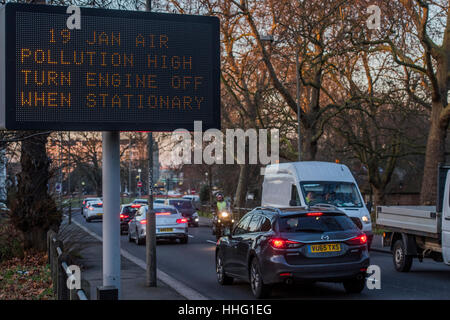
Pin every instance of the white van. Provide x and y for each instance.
(315, 182)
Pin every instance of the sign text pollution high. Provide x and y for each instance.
(122, 70)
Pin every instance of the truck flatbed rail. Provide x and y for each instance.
(419, 220)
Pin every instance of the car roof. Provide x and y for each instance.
(286, 211)
(178, 199)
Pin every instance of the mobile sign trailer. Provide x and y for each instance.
(122, 71)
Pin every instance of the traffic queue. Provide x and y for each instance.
(312, 226)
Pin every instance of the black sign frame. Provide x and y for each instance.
(8, 48)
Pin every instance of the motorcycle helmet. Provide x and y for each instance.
(219, 196)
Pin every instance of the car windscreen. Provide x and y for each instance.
(129, 210)
(181, 204)
(321, 223)
(339, 194)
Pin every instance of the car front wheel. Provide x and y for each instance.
(259, 288)
(222, 278)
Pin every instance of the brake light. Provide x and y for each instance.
(135, 205)
(314, 214)
(182, 220)
(359, 240)
(163, 213)
(124, 216)
(143, 221)
(90, 208)
(278, 243)
(100, 204)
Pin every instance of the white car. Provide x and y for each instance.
(170, 224)
(94, 210)
(84, 204)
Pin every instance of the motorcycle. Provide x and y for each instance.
(221, 222)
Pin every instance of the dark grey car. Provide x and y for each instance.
(269, 246)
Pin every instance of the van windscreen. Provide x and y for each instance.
(339, 194)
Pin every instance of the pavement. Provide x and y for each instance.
(132, 275)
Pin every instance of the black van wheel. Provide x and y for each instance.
(402, 261)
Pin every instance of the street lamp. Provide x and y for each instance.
(269, 39)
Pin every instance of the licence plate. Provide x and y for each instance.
(331, 247)
(166, 230)
(99, 214)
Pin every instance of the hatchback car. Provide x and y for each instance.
(94, 211)
(84, 203)
(186, 208)
(269, 246)
(170, 225)
(127, 212)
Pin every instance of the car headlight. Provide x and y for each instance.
(365, 219)
(224, 214)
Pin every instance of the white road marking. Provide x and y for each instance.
(190, 236)
(179, 287)
(210, 241)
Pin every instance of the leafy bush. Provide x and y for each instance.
(11, 242)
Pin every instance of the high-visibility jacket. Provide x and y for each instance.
(221, 206)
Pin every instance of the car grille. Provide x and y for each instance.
(357, 221)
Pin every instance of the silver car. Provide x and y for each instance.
(94, 210)
(170, 224)
(84, 204)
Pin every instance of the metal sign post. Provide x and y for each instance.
(111, 208)
(150, 240)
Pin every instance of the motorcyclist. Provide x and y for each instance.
(221, 204)
(219, 207)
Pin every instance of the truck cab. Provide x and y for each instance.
(308, 183)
